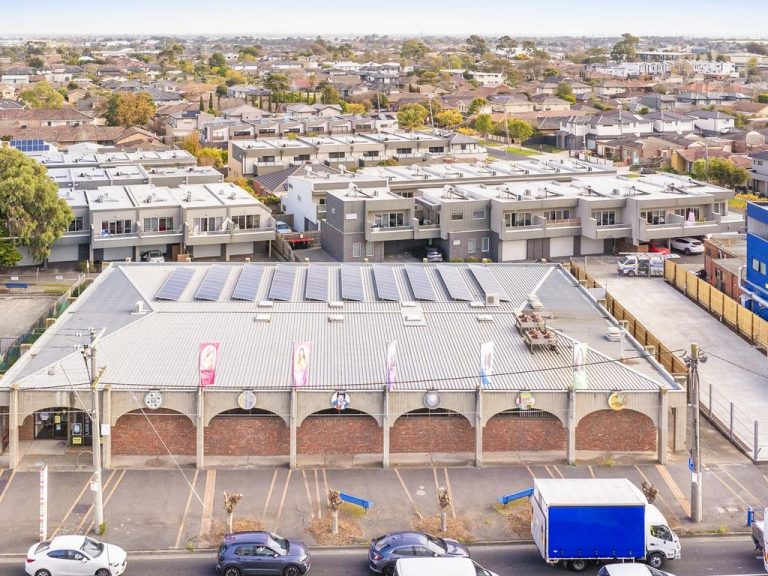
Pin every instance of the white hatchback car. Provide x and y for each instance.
(75, 556)
(630, 569)
(687, 245)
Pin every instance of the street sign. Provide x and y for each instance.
(690, 464)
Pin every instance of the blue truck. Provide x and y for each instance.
(578, 521)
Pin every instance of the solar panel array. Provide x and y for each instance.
(455, 284)
(282, 283)
(213, 283)
(30, 145)
(386, 285)
(174, 286)
(488, 282)
(247, 286)
(351, 283)
(422, 289)
(317, 283)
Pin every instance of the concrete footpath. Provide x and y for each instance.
(167, 509)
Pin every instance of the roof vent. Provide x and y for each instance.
(139, 308)
(262, 318)
(335, 304)
(266, 304)
(336, 318)
(484, 318)
(476, 304)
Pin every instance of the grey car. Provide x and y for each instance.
(386, 550)
(245, 553)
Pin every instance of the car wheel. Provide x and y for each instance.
(655, 560)
(388, 570)
(103, 572)
(578, 565)
(631, 273)
(42, 573)
(687, 251)
(231, 571)
(291, 571)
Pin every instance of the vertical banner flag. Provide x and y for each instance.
(486, 363)
(579, 366)
(391, 363)
(208, 358)
(300, 363)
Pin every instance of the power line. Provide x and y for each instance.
(741, 366)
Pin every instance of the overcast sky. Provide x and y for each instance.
(735, 18)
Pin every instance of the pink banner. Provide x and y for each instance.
(300, 363)
(208, 358)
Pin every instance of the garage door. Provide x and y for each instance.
(514, 250)
(210, 251)
(560, 247)
(241, 248)
(63, 253)
(118, 253)
(589, 246)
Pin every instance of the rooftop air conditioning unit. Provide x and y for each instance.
(492, 300)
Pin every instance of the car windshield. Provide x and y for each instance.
(279, 544)
(439, 542)
(92, 548)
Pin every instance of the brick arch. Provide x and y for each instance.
(620, 431)
(247, 433)
(524, 430)
(432, 431)
(346, 432)
(138, 433)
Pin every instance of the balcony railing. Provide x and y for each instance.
(565, 222)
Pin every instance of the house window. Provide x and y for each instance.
(369, 249)
(389, 220)
(246, 221)
(403, 151)
(478, 214)
(486, 244)
(371, 154)
(356, 249)
(755, 264)
(685, 211)
(336, 155)
(321, 201)
(604, 217)
(301, 158)
(457, 216)
(471, 246)
(436, 149)
(158, 224)
(553, 215)
(267, 159)
(110, 227)
(653, 216)
(76, 225)
(517, 219)
(721, 208)
(207, 224)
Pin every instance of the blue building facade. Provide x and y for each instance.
(755, 281)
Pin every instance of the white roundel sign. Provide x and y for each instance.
(153, 399)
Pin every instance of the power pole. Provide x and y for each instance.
(89, 352)
(696, 474)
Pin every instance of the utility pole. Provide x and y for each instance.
(89, 353)
(696, 475)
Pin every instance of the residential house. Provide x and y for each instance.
(725, 256)
(671, 122)
(712, 122)
(510, 104)
(759, 173)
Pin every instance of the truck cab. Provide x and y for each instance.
(663, 543)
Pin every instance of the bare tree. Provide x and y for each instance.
(231, 500)
(444, 499)
(334, 503)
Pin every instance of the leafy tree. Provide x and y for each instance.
(448, 118)
(565, 92)
(42, 95)
(519, 129)
(210, 102)
(625, 50)
(380, 100)
(477, 45)
(191, 143)
(202, 104)
(31, 212)
(720, 171)
(475, 105)
(644, 110)
(221, 90)
(217, 60)
(210, 157)
(756, 48)
(762, 98)
(329, 95)
(412, 116)
(723, 58)
(129, 109)
(35, 62)
(277, 82)
(507, 45)
(354, 108)
(484, 124)
(413, 50)
(529, 47)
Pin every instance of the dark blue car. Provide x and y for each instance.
(245, 553)
(386, 550)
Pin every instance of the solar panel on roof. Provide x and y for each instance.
(247, 286)
(213, 283)
(174, 287)
(488, 282)
(455, 284)
(282, 283)
(317, 283)
(422, 289)
(386, 285)
(351, 283)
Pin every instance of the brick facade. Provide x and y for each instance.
(620, 431)
(342, 434)
(507, 433)
(235, 435)
(133, 435)
(27, 428)
(432, 433)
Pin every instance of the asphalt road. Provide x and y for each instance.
(713, 556)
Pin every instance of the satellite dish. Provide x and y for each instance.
(754, 139)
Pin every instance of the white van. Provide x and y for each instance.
(640, 265)
(441, 566)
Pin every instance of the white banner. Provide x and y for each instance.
(580, 367)
(391, 363)
(486, 363)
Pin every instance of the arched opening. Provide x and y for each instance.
(153, 433)
(616, 430)
(520, 430)
(339, 432)
(62, 426)
(252, 432)
(425, 430)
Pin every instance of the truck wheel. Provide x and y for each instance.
(578, 565)
(655, 560)
(631, 273)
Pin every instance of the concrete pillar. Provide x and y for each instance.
(681, 428)
(479, 427)
(226, 252)
(663, 426)
(571, 420)
(385, 429)
(294, 399)
(13, 428)
(200, 428)
(106, 418)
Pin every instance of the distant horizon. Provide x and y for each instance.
(345, 18)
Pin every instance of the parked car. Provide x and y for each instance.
(657, 249)
(152, 256)
(75, 556)
(282, 227)
(440, 566)
(386, 550)
(243, 553)
(688, 246)
(430, 253)
(630, 569)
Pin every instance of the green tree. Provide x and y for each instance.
(484, 124)
(217, 60)
(507, 45)
(35, 62)
(210, 102)
(129, 109)
(412, 116)
(31, 212)
(477, 45)
(221, 90)
(210, 157)
(42, 95)
(202, 104)
(448, 118)
(762, 98)
(277, 82)
(720, 171)
(354, 108)
(565, 92)
(723, 58)
(519, 129)
(413, 50)
(625, 50)
(329, 95)
(475, 105)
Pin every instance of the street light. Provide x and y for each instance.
(694, 399)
